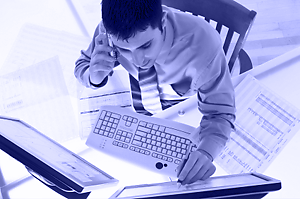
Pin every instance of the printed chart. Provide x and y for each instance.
(264, 125)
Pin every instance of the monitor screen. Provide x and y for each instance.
(23, 137)
(229, 182)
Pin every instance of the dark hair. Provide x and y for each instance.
(124, 18)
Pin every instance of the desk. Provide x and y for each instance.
(58, 15)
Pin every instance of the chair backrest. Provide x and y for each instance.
(228, 13)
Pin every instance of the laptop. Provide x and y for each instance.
(48, 161)
(237, 186)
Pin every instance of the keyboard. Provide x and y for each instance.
(152, 143)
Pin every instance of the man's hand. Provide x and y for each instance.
(197, 167)
(101, 62)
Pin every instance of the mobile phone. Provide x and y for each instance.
(112, 53)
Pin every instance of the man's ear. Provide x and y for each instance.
(164, 20)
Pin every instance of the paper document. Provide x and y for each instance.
(115, 92)
(264, 125)
(36, 43)
(38, 95)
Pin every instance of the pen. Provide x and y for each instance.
(184, 161)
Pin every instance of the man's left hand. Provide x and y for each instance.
(197, 167)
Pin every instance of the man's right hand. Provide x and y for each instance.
(102, 63)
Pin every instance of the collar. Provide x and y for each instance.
(169, 38)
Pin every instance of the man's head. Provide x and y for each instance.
(136, 28)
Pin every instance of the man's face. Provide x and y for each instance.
(142, 49)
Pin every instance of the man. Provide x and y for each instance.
(170, 56)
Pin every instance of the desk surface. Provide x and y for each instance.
(279, 74)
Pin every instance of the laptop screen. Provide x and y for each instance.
(66, 163)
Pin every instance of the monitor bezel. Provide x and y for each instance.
(269, 185)
(48, 172)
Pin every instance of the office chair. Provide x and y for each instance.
(227, 13)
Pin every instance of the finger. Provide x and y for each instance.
(196, 173)
(188, 166)
(101, 39)
(102, 56)
(101, 66)
(210, 172)
(180, 166)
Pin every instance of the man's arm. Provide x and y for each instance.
(216, 101)
(91, 59)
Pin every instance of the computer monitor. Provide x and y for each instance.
(49, 161)
(237, 186)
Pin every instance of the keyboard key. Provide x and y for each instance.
(149, 125)
(154, 155)
(169, 152)
(162, 128)
(157, 133)
(149, 136)
(137, 137)
(114, 115)
(144, 129)
(178, 150)
(163, 145)
(148, 141)
(117, 137)
(149, 146)
(164, 140)
(173, 143)
(99, 124)
(154, 148)
(132, 148)
(147, 152)
(177, 161)
(105, 133)
(174, 154)
(108, 113)
(142, 123)
(153, 132)
(158, 144)
(134, 120)
(137, 143)
(153, 142)
(143, 140)
(172, 137)
(101, 132)
(170, 159)
(125, 117)
(112, 130)
(165, 158)
(125, 146)
(179, 155)
(96, 131)
(164, 151)
(115, 143)
(110, 135)
(163, 134)
(103, 113)
(144, 145)
(153, 137)
(106, 118)
(168, 136)
(127, 140)
(177, 139)
(129, 135)
(159, 149)
(114, 126)
(168, 141)
(122, 139)
(141, 133)
(155, 127)
(109, 124)
(173, 148)
(116, 121)
(104, 123)
(128, 124)
(129, 119)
